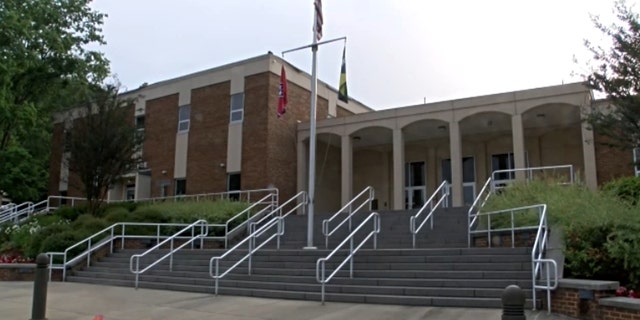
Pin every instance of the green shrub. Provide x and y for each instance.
(149, 214)
(627, 189)
(37, 241)
(89, 224)
(622, 245)
(601, 233)
(59, 242)
(69, 213)
(118, 214)
(586, 255)
(145, 214)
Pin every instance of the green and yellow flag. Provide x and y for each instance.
(342, 89)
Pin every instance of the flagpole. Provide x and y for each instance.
(312, 140)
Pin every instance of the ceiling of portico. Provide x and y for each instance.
(551, 115)
(372, 136)
(485, 123)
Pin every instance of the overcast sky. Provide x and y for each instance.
(399, 52)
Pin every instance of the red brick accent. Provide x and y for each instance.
(161, 126)
(566, 301)
(613, 313)
(17, 273)
(611, 163)
(208, 136)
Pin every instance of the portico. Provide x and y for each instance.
(405, 153)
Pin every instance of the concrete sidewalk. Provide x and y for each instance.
(75, 301)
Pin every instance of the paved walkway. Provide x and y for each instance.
(74, 301)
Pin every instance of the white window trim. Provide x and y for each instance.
(240, 110)
(187, 121)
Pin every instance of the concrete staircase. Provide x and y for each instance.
(441, 272)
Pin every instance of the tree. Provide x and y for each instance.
(103, 143)
(43, 61)
(617, 75)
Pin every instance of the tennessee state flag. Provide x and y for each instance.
(282, 93)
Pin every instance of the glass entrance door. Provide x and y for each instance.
(415, 191)
(468, 178)
(503, 161)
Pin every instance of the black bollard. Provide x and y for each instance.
(39, 307)
(513, 303)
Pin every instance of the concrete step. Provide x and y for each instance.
(475, 302)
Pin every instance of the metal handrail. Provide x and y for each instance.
(213, 195)
(277, 219)
(204, 231)
(270, 200)
(443, 189)
(478, 203)
(14, 212)
(250, 241)
(351, 212)
(512, 227)
(537, 260)
(321, 263)
(110, 235)
(302, 199)
(529, 171)
(490, 187)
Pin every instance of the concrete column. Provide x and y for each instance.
(302, 165)
(347, 172)
(589, 158)
(398, 169)
(455, 154)
(518, 145)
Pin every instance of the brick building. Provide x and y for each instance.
(212, 131)
(217, 130)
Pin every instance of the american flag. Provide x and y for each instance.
(318, 21)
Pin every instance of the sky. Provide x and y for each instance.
(398, 52)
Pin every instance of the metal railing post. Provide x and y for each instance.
(89, 253)
(351, 258)
(250, 250)
(122, 239)
(217, 276)
(192, 236)
(111, 242)
(171, 256)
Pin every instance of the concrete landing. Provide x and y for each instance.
(74, 301)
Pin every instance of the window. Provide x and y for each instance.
(233, 184)
(140, 123)
(130, 192)
(237, 107)
(184, 113)
(181, 187)
(503, 161)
